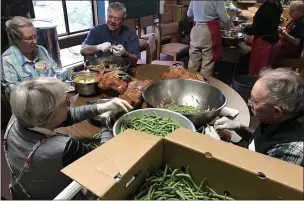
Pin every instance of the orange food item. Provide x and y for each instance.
(112, 81)
(180, 72)
(133, 93)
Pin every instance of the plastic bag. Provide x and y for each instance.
(115, 80)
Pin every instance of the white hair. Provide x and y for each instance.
(34, 102)
(13, 28)
(285, 89)
(117, 6)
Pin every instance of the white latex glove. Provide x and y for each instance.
(118, 50)
(211, 132)
(225, 123)
(114, 105)
(104, 116)
(104, 47)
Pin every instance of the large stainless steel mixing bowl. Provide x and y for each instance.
(178, 118)
(187, 92)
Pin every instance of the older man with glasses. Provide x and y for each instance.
(24, 59)
(277, 100)
(112, 37)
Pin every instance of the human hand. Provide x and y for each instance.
(114, 105)
(104, 47)
(281, 30)
(228, 135)
(225, 123)
(211, 132)
(118, 50)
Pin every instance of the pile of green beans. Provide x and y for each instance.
(152, 124)
(183, 109)
(92, 142)
(175, 184)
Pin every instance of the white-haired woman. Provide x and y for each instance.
(277, 101)
(34, 151)
(24, 59)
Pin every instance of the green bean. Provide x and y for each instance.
(176, 184)
(151, 124)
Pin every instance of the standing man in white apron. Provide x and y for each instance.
(206, 39)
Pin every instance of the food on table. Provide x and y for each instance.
(107, 64)
(183, 109)
(133, 93)
(84, 80)
(176, 184)
(180, 72)
(152, 124)
(115, 80)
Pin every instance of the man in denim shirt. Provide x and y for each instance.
(102, 38)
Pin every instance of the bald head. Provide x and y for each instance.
(296, 10)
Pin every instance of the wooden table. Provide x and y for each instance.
(154, 72)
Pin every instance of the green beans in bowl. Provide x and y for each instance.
(154, 121)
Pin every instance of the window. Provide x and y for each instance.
(71, 16)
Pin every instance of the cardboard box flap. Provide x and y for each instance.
(274, 169)
(100, 169)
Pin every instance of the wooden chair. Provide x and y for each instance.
(174, 49)
(144, 22)
(166, 18)
(151, 54)
(149, 21)
(131, 23)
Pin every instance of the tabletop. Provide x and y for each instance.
(154, 72)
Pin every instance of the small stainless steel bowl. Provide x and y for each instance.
(85, 89)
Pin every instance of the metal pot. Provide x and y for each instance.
(122, 61)
(85, 89)
(231, 38)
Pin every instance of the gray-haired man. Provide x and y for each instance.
(277, 100)
(102, 37)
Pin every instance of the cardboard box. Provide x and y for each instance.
(117, 168)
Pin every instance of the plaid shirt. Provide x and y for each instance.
(16, 67)
(290, 152)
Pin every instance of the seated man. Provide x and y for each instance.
(24, 59)
(292, 38)
(277, 102)
(102, 37)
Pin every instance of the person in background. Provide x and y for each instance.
(35, 152)
(205, 37)
(113, 37)
(291, 43)
(265, 44)
(277, 102)
(24, 59)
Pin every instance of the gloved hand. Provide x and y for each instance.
(114, 105)
(225, 123)
(104, 47)
(211, 132)
(118, 50)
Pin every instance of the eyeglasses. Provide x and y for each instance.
(116, 19)
(31, 38)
